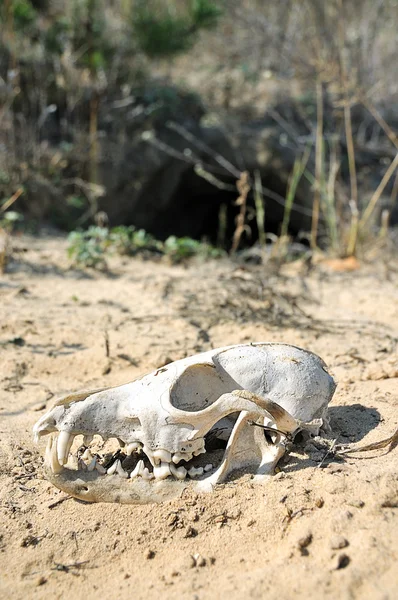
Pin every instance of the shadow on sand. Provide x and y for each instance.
(349, 425)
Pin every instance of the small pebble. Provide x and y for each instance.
(305, 541)
(343, 560)
(319, 502)
(190, 532)
(41, 580)
(197, 560)
(149, 554)
(357, 503)
(201, 562)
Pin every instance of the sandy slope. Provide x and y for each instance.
(282, 540)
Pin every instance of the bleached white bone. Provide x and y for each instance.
(169, 412)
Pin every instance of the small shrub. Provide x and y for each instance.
(89, 248)
(179, 249)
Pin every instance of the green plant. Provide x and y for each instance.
(10, 220)
(160, 32)
(89, 248)
(128, 240)
(179, 249)
(298, 170)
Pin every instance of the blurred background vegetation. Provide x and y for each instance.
(146, 113)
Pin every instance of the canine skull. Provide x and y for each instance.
(188, 423)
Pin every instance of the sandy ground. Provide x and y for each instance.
(317, 529)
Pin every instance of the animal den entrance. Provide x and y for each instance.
(201, 210)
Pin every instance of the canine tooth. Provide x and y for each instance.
(120, 470)
(52, 457)
(179, 473)
(146, 474)
(163, 455)
(195, 472)
(87, 439)
(101, 470)
(139, 467)
(91, 465)
(64, 442)
(112, 468)
(207, 468)
(162, 471)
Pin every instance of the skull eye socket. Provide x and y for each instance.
(198, 387)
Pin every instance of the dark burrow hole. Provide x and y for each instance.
(200, 210)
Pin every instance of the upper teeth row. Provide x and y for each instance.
(163, 461)
(89, 463)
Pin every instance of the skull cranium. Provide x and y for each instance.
(174, 421)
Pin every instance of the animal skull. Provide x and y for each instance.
(171, 423)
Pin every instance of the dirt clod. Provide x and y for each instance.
(338, 542)
(343, 560)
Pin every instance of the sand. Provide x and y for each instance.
(320, 528)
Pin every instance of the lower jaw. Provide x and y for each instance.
(93, 487)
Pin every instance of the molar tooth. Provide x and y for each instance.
(81, 465)
(179, 473)
(208, 468)
(162, 471)
(139, 467)
(195, 472)
(120, 470)
(178, 456)
(163, 455)
(146, 474)
(113, 467)
(200, 451)
(64, 443)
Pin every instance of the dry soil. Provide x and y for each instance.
(320, 528)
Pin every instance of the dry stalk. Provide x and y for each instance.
(4, 235)
(394, 192)
(3, 249)
(243, 186)
(259, 203)
(353, 234)
(377, 194)
(318, 164)
(392, 136)
(11, 200)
